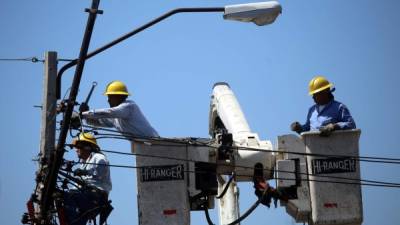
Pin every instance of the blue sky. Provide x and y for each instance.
(171, 67)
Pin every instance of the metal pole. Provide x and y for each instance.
(229, 203)
(130, 34)
(58, 155)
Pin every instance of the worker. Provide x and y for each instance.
(91, 196)
(327, 114)
(124, 115)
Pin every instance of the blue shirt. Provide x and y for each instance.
(333, 112)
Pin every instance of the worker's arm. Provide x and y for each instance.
(306, 126)
(346, 121)
(100, 169)
(100, 122)
(120, 111)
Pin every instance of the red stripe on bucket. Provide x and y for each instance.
(330, 205)
(169, 212)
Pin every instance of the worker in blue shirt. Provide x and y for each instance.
(327, 114)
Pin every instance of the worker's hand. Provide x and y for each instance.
(61, 106)
(75, 121)
(80, 172)
(83, 107)
(262, 191)
(296, 127)
(327, 130)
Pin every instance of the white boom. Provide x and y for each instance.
(179, 176)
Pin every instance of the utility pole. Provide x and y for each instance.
(51, 178)
(48, 125)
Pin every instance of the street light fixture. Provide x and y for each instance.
(260, 13)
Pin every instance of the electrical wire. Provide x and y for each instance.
(248, 167)
(248, 212)
(130, 137)
(189, 160)
(195, 142)
(209, 221)
(195, 161)
(33, 59)
(252, 149)
(365, 183)
(226, 187)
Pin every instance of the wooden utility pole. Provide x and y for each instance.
(48, 124)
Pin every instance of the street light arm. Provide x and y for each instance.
(128, 35)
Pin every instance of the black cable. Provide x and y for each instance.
(242, 217)
(247, 213)
(358, 158)
(247, 167)
(209, 221)
(356, 181)
(131, 137)
(31, 59)
(252, 149)
(394, 185)
(226, 187)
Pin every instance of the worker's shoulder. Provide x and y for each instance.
(339, 104)
(100, 157)
(128, 103)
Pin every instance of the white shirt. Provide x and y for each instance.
(98, 172)
(126, 118)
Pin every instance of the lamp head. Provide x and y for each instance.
(260, 13)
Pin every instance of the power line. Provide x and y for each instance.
(207, 144)
(283, 171)
(30, 59)
(248, 167)
(33, 59)
(394, 185)
(195, 142)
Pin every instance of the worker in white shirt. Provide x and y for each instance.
(90, 196)
(123, 115)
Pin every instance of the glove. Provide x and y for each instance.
(264, 192)
(80, 172)
(61, 107)
(264, 199)
(296, 127)
(75, 121)
(327, 130)
(83, 107)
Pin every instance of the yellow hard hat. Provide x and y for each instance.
(85, 137)
(318, 84)
(116, 88)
